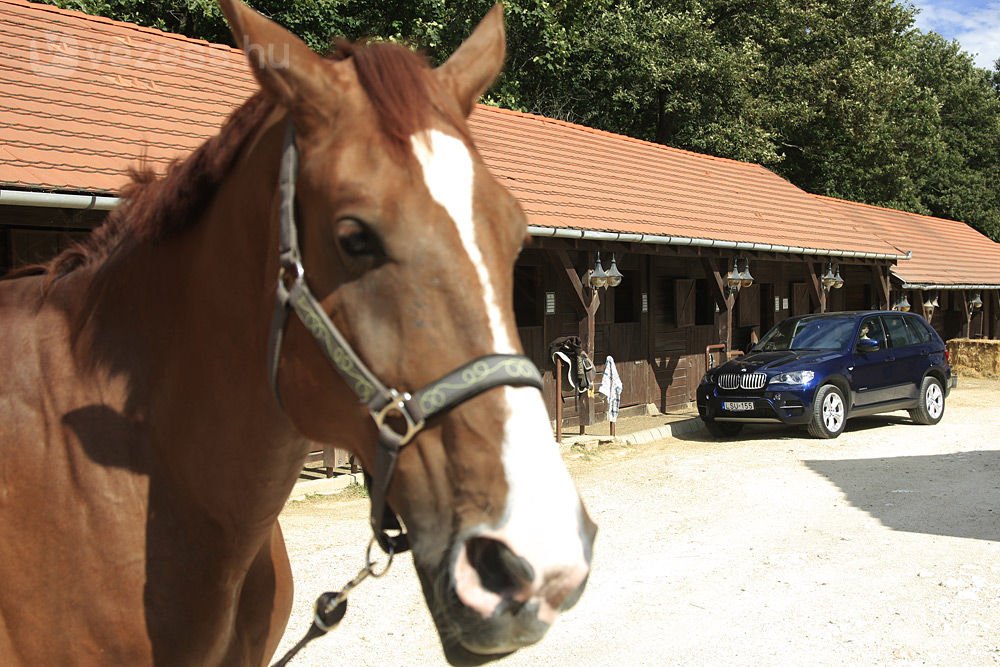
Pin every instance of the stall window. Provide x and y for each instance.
(628, 298)
(529, 298)
(704, 308)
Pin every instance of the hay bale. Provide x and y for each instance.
(978, 358)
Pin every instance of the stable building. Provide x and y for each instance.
(707, 253)
(953, 276)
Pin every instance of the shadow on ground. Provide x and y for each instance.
(776, 431)
(957, 495)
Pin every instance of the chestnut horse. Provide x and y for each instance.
(145, 455)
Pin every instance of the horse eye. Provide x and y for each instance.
(357, 239)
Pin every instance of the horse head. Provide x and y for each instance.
(409, 245)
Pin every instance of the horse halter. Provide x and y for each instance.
(389, 407)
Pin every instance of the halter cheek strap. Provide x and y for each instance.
(398, 415)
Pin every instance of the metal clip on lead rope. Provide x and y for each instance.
(331, 606)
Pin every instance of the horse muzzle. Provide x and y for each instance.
(506, 591)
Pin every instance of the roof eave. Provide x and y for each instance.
(659, 239)
(36, 199)
(949, 286)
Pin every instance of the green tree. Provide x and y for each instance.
(964, 183)
(312, 20)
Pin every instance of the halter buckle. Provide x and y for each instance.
(290, 266)
(397, 405)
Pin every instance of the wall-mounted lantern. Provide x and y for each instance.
(976, 303)
(597, 277)
(736, 279)
(931, 302)
(614, 275)
(830, 279)
(746, 280)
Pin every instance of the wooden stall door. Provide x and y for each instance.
(628, 349)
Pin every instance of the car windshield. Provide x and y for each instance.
(808, 333)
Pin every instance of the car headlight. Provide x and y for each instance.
(707, 379)
(795, 377)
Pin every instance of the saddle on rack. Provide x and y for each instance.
(579, 367)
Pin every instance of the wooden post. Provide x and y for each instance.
(589, 302)
(559, 405)
(882, 291)
(330, 462)
(725, 301)
(995, 326)
(968, 314)
(818, 293)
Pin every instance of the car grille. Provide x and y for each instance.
(742, 381)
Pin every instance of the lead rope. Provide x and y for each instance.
(332, 605)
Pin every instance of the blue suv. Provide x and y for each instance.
(821, 370)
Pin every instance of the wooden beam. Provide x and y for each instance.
(817, 292)
(995, 324)
(564, 261)
(724, 300)
(589, 302)
(716, 284)
(968, 314)
(883, 291)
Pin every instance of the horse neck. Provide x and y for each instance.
(193, 312)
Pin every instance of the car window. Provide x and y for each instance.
(899, 334)
(918, 330)
(808, 333)
(871, 327)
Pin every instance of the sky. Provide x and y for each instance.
(974, 23)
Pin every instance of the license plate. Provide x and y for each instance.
(737, 406)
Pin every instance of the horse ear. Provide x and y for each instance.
(475, 65)
(288, 70)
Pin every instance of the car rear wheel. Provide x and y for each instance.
(931, 406)
(723, 429)
(829, 414)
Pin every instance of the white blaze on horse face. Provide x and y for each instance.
(543, 521)
(448, 172)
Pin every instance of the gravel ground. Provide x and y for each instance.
(879, 548)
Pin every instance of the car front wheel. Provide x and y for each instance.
(931, 406)
(829, 413)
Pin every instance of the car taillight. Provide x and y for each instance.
(947, 356)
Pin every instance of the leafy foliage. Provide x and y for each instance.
(842, 97)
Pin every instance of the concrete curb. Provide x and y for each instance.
(671, 430)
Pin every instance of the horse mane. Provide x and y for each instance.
(154, 208)
(398, 84)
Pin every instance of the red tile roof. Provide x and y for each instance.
(946, 253)
(568, 175)
(82, 98)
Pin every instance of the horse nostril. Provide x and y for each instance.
(500, 570)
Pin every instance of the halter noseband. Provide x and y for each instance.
(387, 406)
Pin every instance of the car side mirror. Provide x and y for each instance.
(866, 345)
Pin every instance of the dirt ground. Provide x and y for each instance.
(879, 548)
